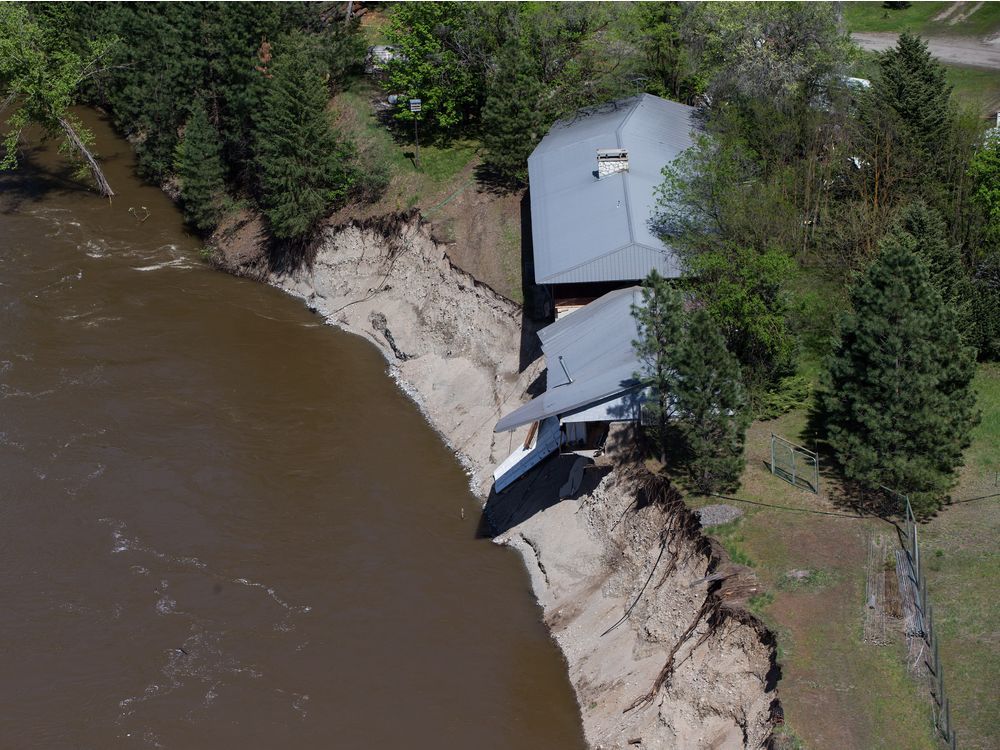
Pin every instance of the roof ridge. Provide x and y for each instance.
(624, 174)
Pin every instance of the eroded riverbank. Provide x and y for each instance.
(461, 352)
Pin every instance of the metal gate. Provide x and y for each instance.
(796, 465)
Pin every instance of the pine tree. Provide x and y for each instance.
(302, 166)
(986, 307)
(198, 162)
(922, 230)
(710, 405)
(659, 324)
(512, 121)
(904, 123)
(898, 398)
(695, 410)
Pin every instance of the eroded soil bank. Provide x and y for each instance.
(650, 616)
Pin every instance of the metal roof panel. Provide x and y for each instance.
(580, 224)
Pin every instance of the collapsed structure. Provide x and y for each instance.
(593, 181)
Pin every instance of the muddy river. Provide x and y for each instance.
(221, 524)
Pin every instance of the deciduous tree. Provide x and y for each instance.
(744, 292)
(40, 79)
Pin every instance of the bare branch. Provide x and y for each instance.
(95, 169)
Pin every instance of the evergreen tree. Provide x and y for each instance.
(898, 398)
(658, 324)
(709, 403)
(512, 121)
(904, 121)
(302, 166)
(914, 84)
(695, 408)
(922, 230)
(198, 162)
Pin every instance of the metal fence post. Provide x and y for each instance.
(924, 604)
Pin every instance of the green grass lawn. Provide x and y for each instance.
(963, 567)
(919, 18)
(977, 88)
(395, 152)
(983, 455)
(837, 690)
(871, 16)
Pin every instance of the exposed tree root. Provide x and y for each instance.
(707, 608)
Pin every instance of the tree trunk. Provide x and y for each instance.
(95, 169)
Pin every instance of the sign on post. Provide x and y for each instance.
(415, 107)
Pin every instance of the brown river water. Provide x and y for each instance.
(221, 523)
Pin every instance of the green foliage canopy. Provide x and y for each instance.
(304, 168)
(42, 79)
(898, 397)
(430, 67)
(743, 292)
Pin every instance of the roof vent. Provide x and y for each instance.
(610, 161)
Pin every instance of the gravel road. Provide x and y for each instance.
(954, 50)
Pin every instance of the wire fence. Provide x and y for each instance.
(799, 466)
(919, 621)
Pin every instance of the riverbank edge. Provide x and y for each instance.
(333, 284)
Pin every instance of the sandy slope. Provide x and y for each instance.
(456, 347)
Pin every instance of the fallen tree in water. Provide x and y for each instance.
(41, 80)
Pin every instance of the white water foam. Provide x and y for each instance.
(175, 263)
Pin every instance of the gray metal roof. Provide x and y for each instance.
(584, 229)
(597, 358)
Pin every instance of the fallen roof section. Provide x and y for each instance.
(590, 359)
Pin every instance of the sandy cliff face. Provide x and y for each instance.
(687, 667)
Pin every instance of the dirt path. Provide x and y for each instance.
(969, 52)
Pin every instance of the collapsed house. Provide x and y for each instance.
(593, 184)
(590, 383)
